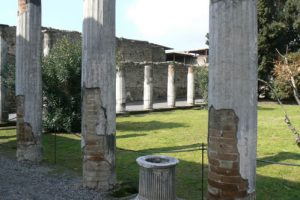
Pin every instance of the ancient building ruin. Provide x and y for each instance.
(232, 91)
(131, 54)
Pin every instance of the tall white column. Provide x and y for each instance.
(99, 95)
(171, 86)
(29, 81)
(120, 90)
(190, 86)
(3, 63)
(232, 99)
(47, 42)
(148, 88)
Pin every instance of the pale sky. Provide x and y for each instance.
(180, 24)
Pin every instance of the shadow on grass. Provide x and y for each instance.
(147, 126)
(280, 157)
(174, 149)
(188, 174)
(264, 108)
(7, 137)
(130, 136)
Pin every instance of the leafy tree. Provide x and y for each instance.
(278, 25)
(61, 87)
(202, 74)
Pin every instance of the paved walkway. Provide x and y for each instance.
(138, 106)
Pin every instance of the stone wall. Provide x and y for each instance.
(139, 51)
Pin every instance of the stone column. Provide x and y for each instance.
(232, 99)
(99, 95)
(148, 88)
(47, 42)
(3, 63)
(120, 90)
(29, 81)
(190, 86)
(171, 86)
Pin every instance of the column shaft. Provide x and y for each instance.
(191, 86)
(47, 43)
(232, 99)
(148, 88)
(171, 86)
(99, 95)
(120, 91)
(29, 81)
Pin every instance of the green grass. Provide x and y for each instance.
(180, 134)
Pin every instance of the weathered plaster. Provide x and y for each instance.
(233, 74)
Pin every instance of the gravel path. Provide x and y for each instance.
(24, 181)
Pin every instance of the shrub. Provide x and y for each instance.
(286, 70)
(202, 75)
(61, 87)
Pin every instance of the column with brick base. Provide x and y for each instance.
(98, 95)
(190, 86)
(171, 86)
(29, 81)
(148, 88)
(3, 63)
(232, 100)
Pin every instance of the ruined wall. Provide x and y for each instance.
(127, 50)
(139, 51)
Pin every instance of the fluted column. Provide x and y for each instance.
(3, 63)
(148, 88)
(29, 81)
(232, 99)
(99, 95)
(171, 86)
(120, 91)
(190, 86)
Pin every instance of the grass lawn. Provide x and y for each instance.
(180, 134)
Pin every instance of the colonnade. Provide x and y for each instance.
(148, 87)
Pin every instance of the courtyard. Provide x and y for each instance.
(179, 134)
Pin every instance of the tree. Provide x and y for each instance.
(61, 87)
(278, 25)
(287, 76)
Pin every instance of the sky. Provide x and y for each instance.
(179, 24)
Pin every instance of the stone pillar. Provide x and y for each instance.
(99, 95)
(148, 88)
(29, 81)
(171, 86)
(47, 42)
(232, 99)
(120, 90)
(3, 63)
(190, 86)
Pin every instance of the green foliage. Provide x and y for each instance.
(202, 75)
(8, 76)
(278, 25)
(61, 87)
